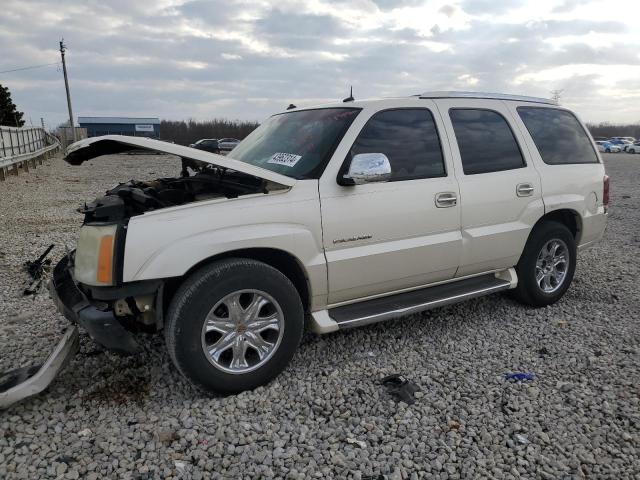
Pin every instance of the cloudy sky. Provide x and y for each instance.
(213, 58)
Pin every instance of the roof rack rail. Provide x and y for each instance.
(496, 96)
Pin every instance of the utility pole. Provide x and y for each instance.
(66, 86)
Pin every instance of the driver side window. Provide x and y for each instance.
(409, 138)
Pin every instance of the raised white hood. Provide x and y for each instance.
(89, 148)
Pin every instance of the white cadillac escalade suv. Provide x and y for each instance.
(332, 217)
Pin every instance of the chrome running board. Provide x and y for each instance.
(385, 308)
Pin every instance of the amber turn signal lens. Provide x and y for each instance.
(105, 256)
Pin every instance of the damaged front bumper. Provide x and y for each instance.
(102, 325)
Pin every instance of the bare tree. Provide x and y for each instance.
(608, 130)
(186, 132)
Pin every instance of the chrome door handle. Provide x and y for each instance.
(446, 199)
(524, 190)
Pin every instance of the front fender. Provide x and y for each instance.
(177, 258)
(168, 244)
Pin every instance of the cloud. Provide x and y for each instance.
(296, 31)
(247, 59)
(490, 6)
(566, 6)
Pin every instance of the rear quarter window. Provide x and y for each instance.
(558, 136)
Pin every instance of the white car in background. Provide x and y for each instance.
(607, 147)
(622, 142)
(634, 148)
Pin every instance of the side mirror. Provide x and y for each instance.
(367, 168)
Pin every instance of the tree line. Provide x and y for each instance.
(186, 132)
(608, 130)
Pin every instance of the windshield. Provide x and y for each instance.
(296, 144)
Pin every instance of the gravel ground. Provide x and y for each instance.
(328, 415)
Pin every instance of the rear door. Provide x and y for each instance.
(384, 237)
(499, 188)
(571, 170)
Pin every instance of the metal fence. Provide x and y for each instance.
(21, 147)
(65, 135)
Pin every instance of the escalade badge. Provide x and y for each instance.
(352, 239)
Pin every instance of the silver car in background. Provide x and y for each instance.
(228, 144)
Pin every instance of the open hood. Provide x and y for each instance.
(89, 148)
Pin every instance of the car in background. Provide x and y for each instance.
(607, 147)
(228, 144)
(634, 147)
(207, 144)
(623, 144)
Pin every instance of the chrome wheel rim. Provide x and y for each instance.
(242, 331)
(552, 265)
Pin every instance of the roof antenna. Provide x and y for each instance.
(350, 97)
(291, 106)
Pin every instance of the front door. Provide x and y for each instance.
(390, 236)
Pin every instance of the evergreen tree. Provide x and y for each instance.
(9, 115)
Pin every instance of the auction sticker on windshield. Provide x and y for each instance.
(288, 159)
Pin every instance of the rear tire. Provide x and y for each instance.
(547, 265)
(234, 325)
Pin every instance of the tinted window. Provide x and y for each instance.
(409, 139)
(485, 140)
(558, 135)
(297, 144)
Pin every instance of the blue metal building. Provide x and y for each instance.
(135, 127)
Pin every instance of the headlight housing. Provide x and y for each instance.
(94, 262)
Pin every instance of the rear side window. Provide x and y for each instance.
(409, 139)
(485, 140)
(558, 135)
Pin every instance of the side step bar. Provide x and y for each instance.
(385, 308)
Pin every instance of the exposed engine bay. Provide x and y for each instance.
(198, 181)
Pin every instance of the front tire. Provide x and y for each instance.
(234, 325)
(547, 265)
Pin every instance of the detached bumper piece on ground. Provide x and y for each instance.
(36, 269)
(15, 387)
(103, 327)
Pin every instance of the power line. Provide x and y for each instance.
(30, 68)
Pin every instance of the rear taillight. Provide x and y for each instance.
(605, 192)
